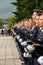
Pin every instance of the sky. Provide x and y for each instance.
(6, 8)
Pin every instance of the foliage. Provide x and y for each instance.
(1, 23)
(12, 20)
(25, 8)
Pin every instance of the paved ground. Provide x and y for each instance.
(8, 52)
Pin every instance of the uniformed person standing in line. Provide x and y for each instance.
(2, 32)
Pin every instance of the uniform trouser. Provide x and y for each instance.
(31, 61)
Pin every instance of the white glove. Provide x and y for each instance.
(17, 36)
(40, 60)
(30, 48)
(27, 55)
(24, 43)
(25, 49)
(20, 40)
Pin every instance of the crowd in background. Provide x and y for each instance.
(5, 32)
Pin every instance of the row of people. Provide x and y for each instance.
(29, 35)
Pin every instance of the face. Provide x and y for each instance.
(33, 23)
(41, 21)
(40, 24)
(13, 25)
(37, 20)
(26, 24)
(18, 25)
(41, 18)
(22, 24)
(30, 23)
(34, 15)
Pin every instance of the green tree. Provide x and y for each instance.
(1, 23)
(24, 8)
(12, 20)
